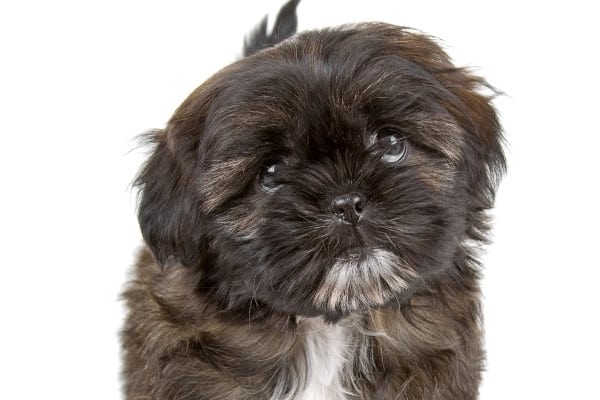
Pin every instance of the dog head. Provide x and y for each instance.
(333, 173)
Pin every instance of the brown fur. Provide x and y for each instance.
(180, 347)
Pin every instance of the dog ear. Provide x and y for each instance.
(169, 210)
(483, 157)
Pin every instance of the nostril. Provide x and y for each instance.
(358, 207)
(339, 208)
(358, 203)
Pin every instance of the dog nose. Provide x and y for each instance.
(348, 207)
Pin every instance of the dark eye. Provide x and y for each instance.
(391, 144)
(267, 177)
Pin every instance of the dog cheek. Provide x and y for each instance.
(240, 222)
(438, 175)
(223, 180)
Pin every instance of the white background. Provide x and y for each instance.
(79, 80)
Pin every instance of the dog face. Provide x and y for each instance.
(334, 173)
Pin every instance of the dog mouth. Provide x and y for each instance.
(354, 251)
(355, 254)
(353, 247)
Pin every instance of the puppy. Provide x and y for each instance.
(312, 214)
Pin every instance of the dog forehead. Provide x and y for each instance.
(322, 90)
(291, 107)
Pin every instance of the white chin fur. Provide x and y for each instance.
(363, 282)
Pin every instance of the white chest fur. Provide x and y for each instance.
(327, 350)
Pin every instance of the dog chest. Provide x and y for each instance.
(327, 350)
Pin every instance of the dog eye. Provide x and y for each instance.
(267, 176)
(390, 144)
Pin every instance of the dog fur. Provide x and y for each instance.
(247, 291)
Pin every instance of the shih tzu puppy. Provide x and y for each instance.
(312, 214)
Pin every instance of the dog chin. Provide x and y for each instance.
(360, 280)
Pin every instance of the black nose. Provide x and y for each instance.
(348, 207)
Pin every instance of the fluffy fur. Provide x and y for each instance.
(247, 292)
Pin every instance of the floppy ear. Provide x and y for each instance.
(169, 209)
(484, 158)
(484, 161)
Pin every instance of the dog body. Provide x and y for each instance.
(182, 345)
(311, 214)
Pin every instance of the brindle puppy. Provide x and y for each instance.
(312, 214)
